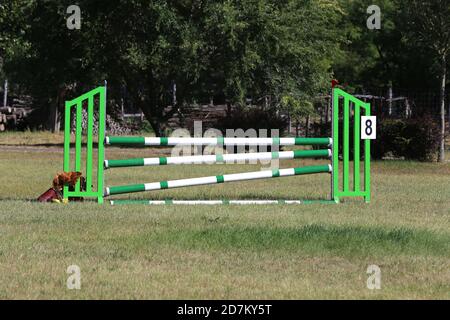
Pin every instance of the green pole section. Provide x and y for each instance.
(137, 162)
(127, 189)
(140, 141)
(299, 154)
(312, 169)
(312, 141)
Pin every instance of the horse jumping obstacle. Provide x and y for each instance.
(330, 149)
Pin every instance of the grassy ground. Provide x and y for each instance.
(306, 251)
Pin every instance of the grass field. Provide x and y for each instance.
(222, 252)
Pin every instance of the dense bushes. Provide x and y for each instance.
(412, 139)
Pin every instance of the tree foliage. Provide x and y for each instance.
(234, 49)
(279, 52)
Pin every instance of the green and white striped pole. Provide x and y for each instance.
(217, 179)
(218, 141)
(219, 158)
(217, 202)
(204, 202)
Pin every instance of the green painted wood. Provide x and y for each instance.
(312, 141)
(127, 141)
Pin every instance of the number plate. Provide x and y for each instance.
(368, 128)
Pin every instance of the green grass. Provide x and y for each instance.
(230, 252)
(27, 138)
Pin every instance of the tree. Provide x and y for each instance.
(429, 24)
(235, 49)
(43, 56)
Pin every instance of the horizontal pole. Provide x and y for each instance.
(216, 179)
(218, 158)
(217, 202)
(219, 141)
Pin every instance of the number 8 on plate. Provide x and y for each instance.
(368, 128)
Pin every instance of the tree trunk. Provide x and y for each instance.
(54, 115)
(442, 103)
(154, 122)
(307, 126)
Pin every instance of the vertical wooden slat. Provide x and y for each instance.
(101, 138)
(367, 163)
(90, 142)
(78, 135)
(346, 141)
(335, 136)
(356, 154)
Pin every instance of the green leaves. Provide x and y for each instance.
(235, 49)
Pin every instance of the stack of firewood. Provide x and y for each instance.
(10, 116)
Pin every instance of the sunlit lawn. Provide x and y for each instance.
(281, 251)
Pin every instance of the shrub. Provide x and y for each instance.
(252, 118)
(412, 139)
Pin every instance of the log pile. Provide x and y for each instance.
(11, 116)
(208, 114)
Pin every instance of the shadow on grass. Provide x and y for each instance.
(340, 240)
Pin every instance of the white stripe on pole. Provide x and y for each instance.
(287, 172)
(151, 161)
(292, 202)
(219, 202)
(191, 182)
(194, 202)
(191, 159)
(156, 202)
(287, 141)
(247, 176)
(149, 141)
(192, 141)
(248, 141)
(253, 202)
(153, 141)
(247, 156)
(152, 186)
(227, 158)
